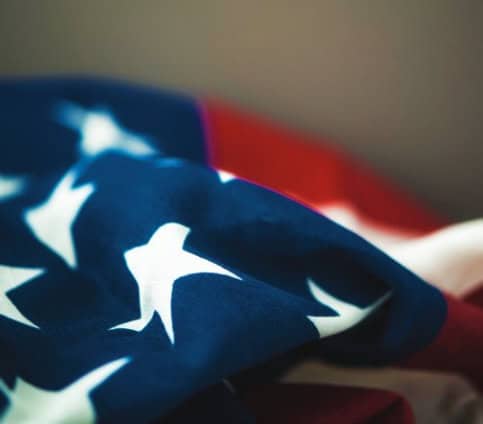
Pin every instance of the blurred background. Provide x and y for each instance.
(398, 83)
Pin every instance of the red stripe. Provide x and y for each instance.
(311, 170)
(317, 404)
(459, 345)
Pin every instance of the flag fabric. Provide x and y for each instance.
(170, 259)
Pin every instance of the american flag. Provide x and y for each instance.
(171, 259)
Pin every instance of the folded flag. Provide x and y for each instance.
(168, 258)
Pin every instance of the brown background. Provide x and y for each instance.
(398, 82)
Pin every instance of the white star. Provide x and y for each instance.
(29, 404)
(11, 278)
(10, 186)
(348, 315)
(156, 266)
(51, 222)
(225, 176)
(100, 132)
